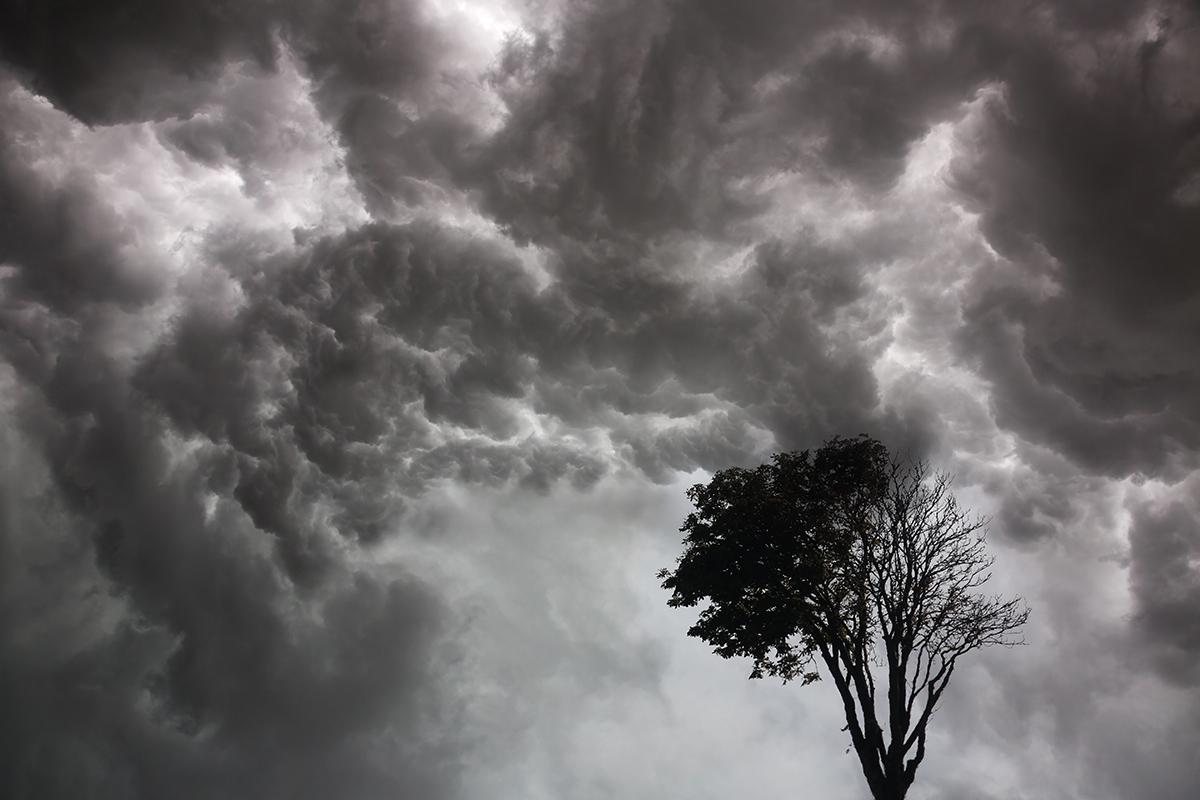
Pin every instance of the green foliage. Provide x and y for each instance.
(764, 544)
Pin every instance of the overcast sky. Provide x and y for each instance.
(355, 356)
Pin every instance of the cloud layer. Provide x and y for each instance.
(354, 355)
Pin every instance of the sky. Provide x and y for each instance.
(356, 356)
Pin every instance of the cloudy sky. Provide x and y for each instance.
(355, 356)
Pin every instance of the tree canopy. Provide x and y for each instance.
(848, 558)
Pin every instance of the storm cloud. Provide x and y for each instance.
(354, 356)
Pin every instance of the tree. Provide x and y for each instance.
(862, 561)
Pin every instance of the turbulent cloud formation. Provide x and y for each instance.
(354, 355)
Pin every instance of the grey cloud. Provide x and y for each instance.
(374, 344)
(193, 666)
(1154, 440)
(363, 349)
(1043, 498)
(258, 122)
(75, 249)
(116, 61)
(1078, 172)
(207, 502)
(200, 634)
(123, 61)
(1165, 542)
(641, 118)
(658, 343)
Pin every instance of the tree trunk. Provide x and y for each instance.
(894, 787)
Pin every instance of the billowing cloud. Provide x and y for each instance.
(1081, 173)
(354, 356)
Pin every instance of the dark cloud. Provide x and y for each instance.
(643, 117)
(116, 62)
(108, 62)
(74, 247)
(637, 240)
(121, 61)
(1080, 172)
(1165, 551)
(196, 632)
(376, 344)
(170, 654)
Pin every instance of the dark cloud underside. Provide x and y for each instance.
(274, 274)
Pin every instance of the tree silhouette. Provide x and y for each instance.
(855, 558)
